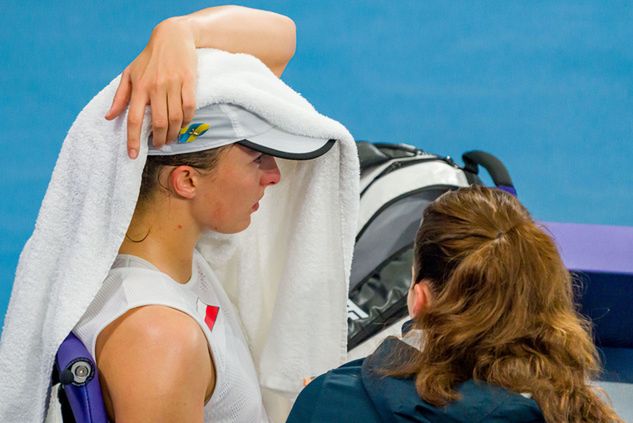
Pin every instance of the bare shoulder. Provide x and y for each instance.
(155, 365)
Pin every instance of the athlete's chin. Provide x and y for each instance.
(234, 227)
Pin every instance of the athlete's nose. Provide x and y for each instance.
(271, 175)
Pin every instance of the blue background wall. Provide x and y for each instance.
(546, 86)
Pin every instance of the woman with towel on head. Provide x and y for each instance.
(155, 324)
(494, 337)
(193, 321)
(168, 343)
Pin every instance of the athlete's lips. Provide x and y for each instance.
(256, 205)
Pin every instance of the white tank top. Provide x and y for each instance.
(133, 282)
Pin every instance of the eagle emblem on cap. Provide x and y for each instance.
(191, 132)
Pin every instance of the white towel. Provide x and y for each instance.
(287, 273)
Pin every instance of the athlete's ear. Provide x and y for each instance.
(183, 181)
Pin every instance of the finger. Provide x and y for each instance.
(188, 101)
(134, 122)
(121, 97)
(158, 101)
(174, 110)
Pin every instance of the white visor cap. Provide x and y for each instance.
(218, 125)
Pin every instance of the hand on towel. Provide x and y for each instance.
(164, 74)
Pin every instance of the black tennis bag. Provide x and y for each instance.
(397, 183)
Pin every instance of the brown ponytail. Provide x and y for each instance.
(502, 310)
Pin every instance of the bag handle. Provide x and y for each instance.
(495, 168)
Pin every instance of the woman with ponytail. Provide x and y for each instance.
(494, 334)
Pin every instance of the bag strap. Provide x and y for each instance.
(373, 154)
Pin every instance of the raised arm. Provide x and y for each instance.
(266, 35)
(163, 74)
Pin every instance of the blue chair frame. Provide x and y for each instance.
(79, 379)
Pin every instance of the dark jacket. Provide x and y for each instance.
(356, 392)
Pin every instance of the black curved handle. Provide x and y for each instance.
(497, 170)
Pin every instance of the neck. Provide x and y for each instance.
(163, 234)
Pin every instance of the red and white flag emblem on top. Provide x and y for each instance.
(210, 316)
